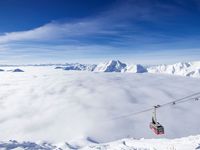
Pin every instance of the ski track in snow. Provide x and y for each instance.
(56, 105)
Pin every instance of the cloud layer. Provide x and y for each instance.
(43, 103)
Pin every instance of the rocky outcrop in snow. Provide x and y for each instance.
(17, 70)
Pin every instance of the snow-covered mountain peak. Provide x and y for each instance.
(110, 66)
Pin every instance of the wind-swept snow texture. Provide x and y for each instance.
(43, 103)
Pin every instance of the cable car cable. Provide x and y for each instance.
(195, 96)
(131, 114)
(177, 100)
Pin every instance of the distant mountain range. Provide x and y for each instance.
(191, 69)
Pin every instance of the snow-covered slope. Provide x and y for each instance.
(191, 69)
(110, 66)
(136, 69)
(186, 143)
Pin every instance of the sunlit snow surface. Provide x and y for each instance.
(43, 103)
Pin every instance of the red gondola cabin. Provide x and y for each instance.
(154, 125)
(157, 128)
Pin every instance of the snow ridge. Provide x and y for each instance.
(190, 69)
(77, 66)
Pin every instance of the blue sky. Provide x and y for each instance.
(91, 31)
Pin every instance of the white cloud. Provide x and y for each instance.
(107, 23)
(51, 31)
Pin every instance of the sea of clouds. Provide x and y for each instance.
(56, 105)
